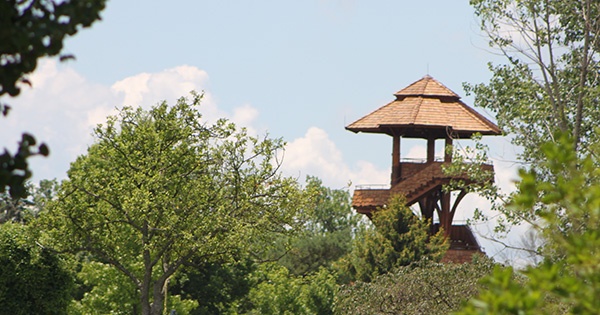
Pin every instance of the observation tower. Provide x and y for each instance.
(428, 110)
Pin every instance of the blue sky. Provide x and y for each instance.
(300, 70)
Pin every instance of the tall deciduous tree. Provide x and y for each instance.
(549, 84)
(550, 81)
(30, 30)
(159, 188)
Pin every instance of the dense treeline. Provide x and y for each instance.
(168, 214)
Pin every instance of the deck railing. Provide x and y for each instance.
(372, 186)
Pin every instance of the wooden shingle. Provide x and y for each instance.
(422, 106)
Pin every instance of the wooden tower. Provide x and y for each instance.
(427, 110)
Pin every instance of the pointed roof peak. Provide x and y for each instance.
(424, 109)
(426, 86)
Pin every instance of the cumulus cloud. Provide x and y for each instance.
(63, 107)
(315, 154)
(246, 115)
(147, 89)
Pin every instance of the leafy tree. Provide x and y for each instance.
(324, 236)
(547, 84)
(327, 233)
(279, 292)
(218, 287)
(30, 30)
(568, 280)
(33, 279)
(158, 188)
(398, 239)
(299, 278)
(550, 81)
(105, 290)
(422, 288)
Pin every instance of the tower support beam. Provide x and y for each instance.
(396, 160)
(430, 150)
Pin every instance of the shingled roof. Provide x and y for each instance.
(420, 109)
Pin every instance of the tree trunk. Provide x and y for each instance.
(145, 299)
(158, 297)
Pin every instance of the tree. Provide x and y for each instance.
(279, 292)
(399, 238)
(33, 279)
(218, 287)
(568, 280)
(327, 232)
(30, 30)
(102, 289)
(550, 82)
(158, 188)
(23, 209)
(422, 288)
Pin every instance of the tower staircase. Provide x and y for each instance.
(426, 109)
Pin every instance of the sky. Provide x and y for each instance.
(299, 70)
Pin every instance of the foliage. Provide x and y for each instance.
(278, 292)
(159, 188)
(30, 30)
(550, 81)
(301, 279)
(218, 287)
(35, 29)
(14, 169)
(398, 239)
(23, 209)
(33, 279)
(568, 280)
(327, 233)
(422, 288)
(108, 291)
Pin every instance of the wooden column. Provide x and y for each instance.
(446, 216)
(430, 150)
(448, 155)
(395, 160)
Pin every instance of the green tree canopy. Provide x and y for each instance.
(423, 288)
(327, 233)
(33, 279)
(398, 238)
(159, 188)
(550, 80)
(568, 280)
(547, 84)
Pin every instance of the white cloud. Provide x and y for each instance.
(246, 115)
(315, 154)
(63, 107)
(147, 89)
(60, 110)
